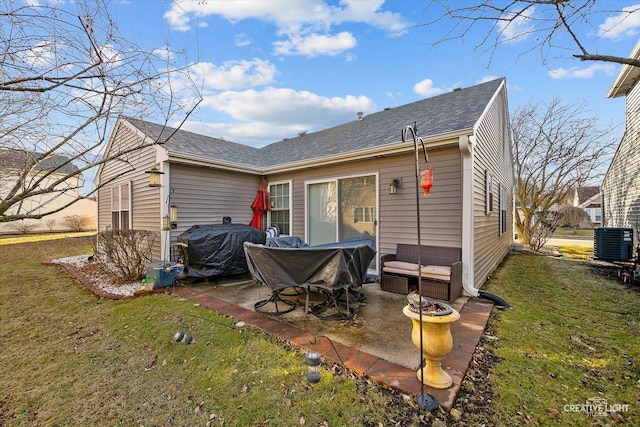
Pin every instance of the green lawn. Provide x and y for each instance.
(573, 335)
(69, 358)
(561, 232)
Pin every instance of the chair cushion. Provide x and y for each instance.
(438, 272)
(401, 265)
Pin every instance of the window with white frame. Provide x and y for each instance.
(121, 207)
(488, 192)
(280, 213)
(363, 214)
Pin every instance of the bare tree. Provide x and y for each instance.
(552, 24)
(573, 216)
(555, 148)
(66, 74)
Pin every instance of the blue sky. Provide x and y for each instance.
(269, 69)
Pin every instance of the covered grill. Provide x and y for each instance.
(216, 249)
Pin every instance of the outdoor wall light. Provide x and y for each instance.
(154, 177)
(312, 359)
(395, 184)
(173, 216)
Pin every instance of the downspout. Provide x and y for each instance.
(465, 143)
(165, 192)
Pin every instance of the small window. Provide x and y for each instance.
(121, 207)
(488, 192)
(280, 213)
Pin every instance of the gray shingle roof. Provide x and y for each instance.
(195, 145)
(446, 113)
(21, 160)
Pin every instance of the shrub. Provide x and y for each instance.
(128, 251)
(545, 226)
(22, 226)
(77, 222)
(50, 223)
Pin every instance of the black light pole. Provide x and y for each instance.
(425, 400)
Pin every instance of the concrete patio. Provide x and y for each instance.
(376, 343)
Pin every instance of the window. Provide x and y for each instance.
(280, 213)
(363, 214)
(121, 207)
(488, 192)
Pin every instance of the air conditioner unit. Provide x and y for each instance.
(613, 244)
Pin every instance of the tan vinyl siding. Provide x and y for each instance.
(207, 195)
(145, 201)
(621, 184)
(440, 212)
(492, 152)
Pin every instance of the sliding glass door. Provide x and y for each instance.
(341, 208)
(322, 218)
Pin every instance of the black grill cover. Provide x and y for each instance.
(216, 249)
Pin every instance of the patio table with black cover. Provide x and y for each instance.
(338, 270)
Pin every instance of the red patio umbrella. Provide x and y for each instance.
(260, 205)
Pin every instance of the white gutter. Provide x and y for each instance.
(627, 77)
(435, 141)
(465, 143)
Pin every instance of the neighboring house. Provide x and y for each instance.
(13, 162)
(621, 184)
(333, 184)
(589, 199)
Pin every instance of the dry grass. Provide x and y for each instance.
(70, 358)
(573, 335)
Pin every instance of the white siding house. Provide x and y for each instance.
(621, 185)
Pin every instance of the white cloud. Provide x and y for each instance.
(485, 79)
(305, 25)
(40, 55)
(425, 88)
(316, 13)
(234, 74)
(242, 40)
(623, 25)
(369, 12)
(271, 114)
(514, 29)
(582, 73)
(163, 52)
(315, 44)
(276, 105)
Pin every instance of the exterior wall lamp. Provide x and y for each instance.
(173, 216)
(155, 176)
(395, 184)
